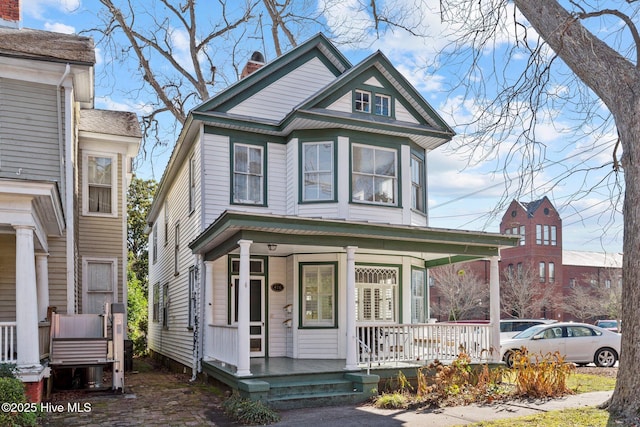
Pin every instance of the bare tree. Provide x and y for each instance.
(596, 296)
(523, 296)
(463, 294)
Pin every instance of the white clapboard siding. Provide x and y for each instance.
(220, 305)
(276, 313)
(176, 341)
(7, 278)
(277, 99)
(373, 213)
(292, 177)
(216, 177)
(372, 81)
(277, 179)
(344, 104)
(403, 115)
(318, 343)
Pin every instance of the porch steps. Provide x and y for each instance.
(322, 389)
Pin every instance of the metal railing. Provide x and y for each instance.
(8, 342)
(422, 342)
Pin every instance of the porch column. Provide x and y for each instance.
(352, 349)
(494, 307)
(26, 307)
(42, 283)
(244, 359)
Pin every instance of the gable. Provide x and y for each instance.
(275, 100)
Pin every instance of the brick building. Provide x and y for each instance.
(541, 257)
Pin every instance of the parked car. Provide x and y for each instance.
(511, 327)
(609, 324)
(579, 343)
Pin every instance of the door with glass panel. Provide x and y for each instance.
(256, 313)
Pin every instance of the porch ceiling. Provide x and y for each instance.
(295, 234)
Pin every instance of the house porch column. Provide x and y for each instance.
(42, 283)
(351, 347)
(26, 307)
(244, 357)
(494, 308)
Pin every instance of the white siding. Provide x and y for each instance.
(220, 305)
(176, 341)
(277, 99)
(216, 176)
(277, 178)
(292, 177)
(373, 82)
(403, 115)
(278, 331)
(344, 104)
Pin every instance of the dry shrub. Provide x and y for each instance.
(538, 375)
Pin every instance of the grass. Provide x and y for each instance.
(583, 383)
(591, 417)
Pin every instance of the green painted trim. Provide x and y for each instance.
(451, 260)
(264, 147)
(335, 296)
(248, 137)
(425, 289)
(301, 142)
(373, 91)
(398, 190)
(268, 74)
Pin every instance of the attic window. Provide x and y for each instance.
(370, 102)
(363, 101)
(383, 105)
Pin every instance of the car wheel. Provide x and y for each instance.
(605, 358)
(508, 359)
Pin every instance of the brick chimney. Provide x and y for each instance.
(255, 63)
(10, 15)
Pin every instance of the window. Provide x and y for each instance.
(376, 294)
(154, 244)
(318, 295)
(417, 184)
(538, 234)
(248, 174)
(166, 222)
(256, 266)
(522, 235)
(607, 284)
(520, 271)
(192, 184)
(572, 283)
(374, 175)
(546, 235)
(552, 272)
(317, 171)
(418, 312)
(165, 306)
(383, 105)
(155, 312)
(193, 277)
(99, 284)
(363, 101)
(176, 250)
(543, 272)
(554, 241)
(99, 187)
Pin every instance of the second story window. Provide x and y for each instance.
(317, 171)
(546, 235)
(374, 175)
(99, 189)
(383, 105)
(417, 184)
(248, 174)
(543, 272)
(363, 101)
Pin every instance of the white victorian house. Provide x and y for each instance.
(289, 234)
(64, 170)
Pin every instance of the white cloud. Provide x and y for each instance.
(37, 8)
(58, 27)
(109, 103)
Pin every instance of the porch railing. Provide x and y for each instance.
(8, 342)
(422, 342)
(44, 339)
(225, 339)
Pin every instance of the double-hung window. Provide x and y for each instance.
(99, 189)
(374, 175)
(248, 174)
(317, 171)
(155, 311)
(418, 291)
(318, 295)
(417, 184)
(383, 105)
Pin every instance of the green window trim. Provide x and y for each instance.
(305, 323)
(248, 173)
(368, 99)
(301, 170)
(375, 175)
(418, 188)
(255, 261)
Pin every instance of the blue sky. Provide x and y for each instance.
(464, 187)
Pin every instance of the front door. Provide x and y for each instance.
(256, 313)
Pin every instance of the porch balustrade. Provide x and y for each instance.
(422, 342)
(44, 339)
(226, 343)
(8, 342)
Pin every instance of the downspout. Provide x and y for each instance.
(66, 171)
(198, 316)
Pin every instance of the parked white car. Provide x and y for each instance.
(511, 327)
(579, 343)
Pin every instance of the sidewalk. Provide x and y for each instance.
(157, 397)
(349, 416)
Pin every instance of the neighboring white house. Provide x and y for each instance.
(64, 170)
(293, 215)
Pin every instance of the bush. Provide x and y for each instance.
(7, 370)
(392, 401)
(12, 391)
(249, 411)
(541, 375)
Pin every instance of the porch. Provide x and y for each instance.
(8, 344)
